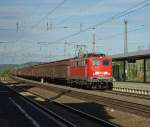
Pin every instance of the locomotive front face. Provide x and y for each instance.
(100, 69)
(93, 72)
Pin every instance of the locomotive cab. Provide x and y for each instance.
(99, 71)
(92, 71)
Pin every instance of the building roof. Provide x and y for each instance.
(132, 55)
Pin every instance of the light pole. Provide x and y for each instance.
(125, 37)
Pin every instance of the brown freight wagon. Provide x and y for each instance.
(56, 71)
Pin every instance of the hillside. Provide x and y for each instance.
(6, 69)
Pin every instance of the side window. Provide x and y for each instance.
(96, 62)
(78, 63)
(83, 62)
(72, 64)
(75, 63)
(86, 62)
(106, 62)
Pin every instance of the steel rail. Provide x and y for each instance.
(147, 97)
(87, 116)
(58, 119)
(135, 108)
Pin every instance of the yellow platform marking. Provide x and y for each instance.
(30, 94)
(39, 99)
(26, 94)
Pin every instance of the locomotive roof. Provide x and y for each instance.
(91, 55)
(96, 54)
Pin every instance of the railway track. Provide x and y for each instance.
(135, 108)
(141, 92)
(139, 109)
(76, 117)
(34, 115)
(147, 97)
(126, 106)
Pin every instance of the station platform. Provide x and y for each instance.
(118, 86)
(132, 87)
(10, 115)
(129, 87)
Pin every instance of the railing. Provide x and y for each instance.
(130, 90)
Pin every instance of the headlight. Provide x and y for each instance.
(97, 73)
(105, 73)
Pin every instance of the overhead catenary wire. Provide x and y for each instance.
(49, 13)
(140, 27)
(130, 31)
(44, 17)
(123, 14)
(128, 11)
(81, 10)
(116, 16)
(18, 25)
(89, 7)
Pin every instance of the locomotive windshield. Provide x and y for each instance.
(96, 62)
(106, 62)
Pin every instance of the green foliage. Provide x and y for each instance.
(5, 73)
(7, 69)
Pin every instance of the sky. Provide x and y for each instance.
(48, 30)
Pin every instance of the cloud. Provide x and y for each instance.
(16, 11)
(72, 13)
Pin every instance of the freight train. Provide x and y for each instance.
(90, 71)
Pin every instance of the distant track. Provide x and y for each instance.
(58, 120)
(33, 112)
(135, 108)
(76, 117)
(147, 97)
(139, 109)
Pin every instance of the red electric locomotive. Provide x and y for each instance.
(92, 71)
(86, 71)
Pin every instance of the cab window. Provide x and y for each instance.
(106, 62)
(96, 62)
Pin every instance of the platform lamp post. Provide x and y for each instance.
(125, 37)
(94, 39)
(125, 48)
(94, 42)
(65, 48)
(17, 26)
